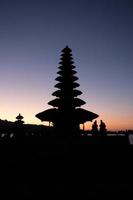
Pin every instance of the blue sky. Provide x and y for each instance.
(99, 32)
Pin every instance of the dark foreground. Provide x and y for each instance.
(85, 168)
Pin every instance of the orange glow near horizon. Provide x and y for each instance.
(32, 99)
(29, 106)
(112, 124)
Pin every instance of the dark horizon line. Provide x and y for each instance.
(108, 130)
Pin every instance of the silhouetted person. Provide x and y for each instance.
(94, 128)
(102, 129)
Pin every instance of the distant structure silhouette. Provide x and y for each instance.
(19, 119)
(66, 115)
(19, 128)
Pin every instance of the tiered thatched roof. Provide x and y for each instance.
(67, 112)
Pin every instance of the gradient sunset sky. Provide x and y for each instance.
(100, 33)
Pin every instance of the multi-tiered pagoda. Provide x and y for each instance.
(66, 113)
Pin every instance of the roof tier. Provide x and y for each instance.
(63, 73)
(66, 65)
(69, 85)
(61, 93)
(67, 79)
(80, 115)
(74, 102)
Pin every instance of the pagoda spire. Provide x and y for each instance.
(66, 95)
(66, 113)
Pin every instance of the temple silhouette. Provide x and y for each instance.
(66, 114)
(36, 162)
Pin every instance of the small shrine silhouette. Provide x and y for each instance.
(19, 119)
(19, 128)
(66, 114)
